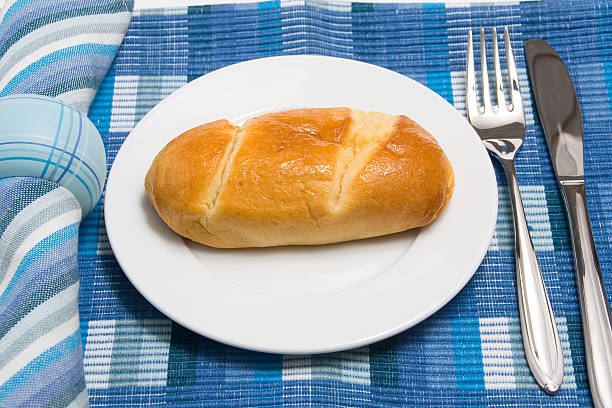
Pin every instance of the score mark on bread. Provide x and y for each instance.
(300, 177)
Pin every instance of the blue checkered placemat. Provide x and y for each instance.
(469, 353)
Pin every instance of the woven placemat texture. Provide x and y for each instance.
(469, 354)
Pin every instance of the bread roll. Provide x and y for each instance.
(300, 177)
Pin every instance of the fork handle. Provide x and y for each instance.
(595, 309)
(540, 336)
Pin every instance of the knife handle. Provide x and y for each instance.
(596, 318)
(540, 336)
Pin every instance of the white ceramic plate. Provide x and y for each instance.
(301, 299)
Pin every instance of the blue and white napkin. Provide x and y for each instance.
(54, 55)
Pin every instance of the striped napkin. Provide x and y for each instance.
(60, 49)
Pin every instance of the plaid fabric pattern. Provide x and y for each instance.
(469, 354)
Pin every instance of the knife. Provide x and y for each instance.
(559, 112)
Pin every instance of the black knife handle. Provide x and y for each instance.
(596, 317)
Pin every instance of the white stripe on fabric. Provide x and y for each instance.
(523, 77)
(35, 237)
(297, 376)
(100, 38)
(452, 4)
(348, 366)
(81, 401)
(292, 3)
(536, 212)
(503, 356)
(569, 378)
(166, 11)
(330, 5)
(296, 368)
(154, 352)
(141, 359)
(123, 109)
(497, 354)
(98, 352)
(79, 99)
(355, 366)
(41, 311)
(458, 89)
(38, 347)
(4, 6)
(133, 96)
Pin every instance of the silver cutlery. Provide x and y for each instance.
(502, 130)
(560, 116)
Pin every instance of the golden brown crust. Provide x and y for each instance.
(180, 181)
(405, 182)
(300, 177)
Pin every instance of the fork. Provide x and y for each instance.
(502, 130)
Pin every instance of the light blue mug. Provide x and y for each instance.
(43, 137)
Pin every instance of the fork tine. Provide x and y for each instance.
(515, 92)
(486, 97)
(470, 81)
(499, 85)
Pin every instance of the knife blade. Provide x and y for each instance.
(561, 120)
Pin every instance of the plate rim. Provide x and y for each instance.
(424, 314)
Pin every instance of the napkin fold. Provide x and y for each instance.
(61, 49)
